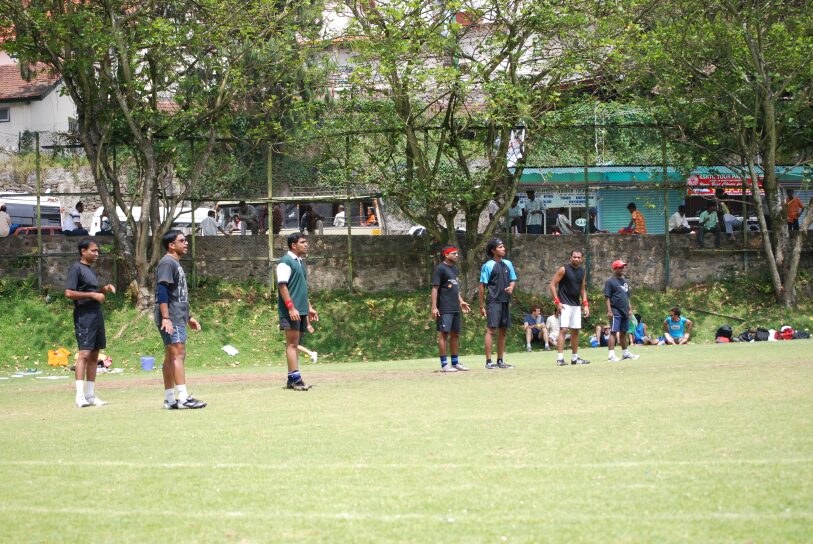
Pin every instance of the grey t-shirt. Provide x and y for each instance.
(171, 274)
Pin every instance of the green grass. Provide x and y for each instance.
(698, 443)
(353, 327)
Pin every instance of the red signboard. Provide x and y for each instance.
(706, 184)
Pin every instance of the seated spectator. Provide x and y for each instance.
(371, 218)
(554, 327)
(592, 225)
(637, 223)
(105, 227)
(72, 222)
(676, 328)
(708, 223)
(563, 223)
(602, 336)
(729, 221)
(640, 335)
(209, 226)
(5, 222)
(339, 220)
(678, 224)
(233, 226)
(535, 329)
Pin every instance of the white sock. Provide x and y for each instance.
(89, 389)
(626, 351)
(183, 394)
(611, 353)
(169, 395)
(574, 356)
(561, 356)
(529, 345)
(80, 388)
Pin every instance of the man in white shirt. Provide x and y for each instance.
(678, 224)
(553, 326)
(563, 223)
(209, 226)
(72, 222)
(339, 220)
(535, 214)
(5, 221)
(515, 215)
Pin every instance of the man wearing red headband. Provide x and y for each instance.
(446, 306)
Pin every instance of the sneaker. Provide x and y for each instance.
(82, 402)
(448, 368)
(314, 357)
(561, 362)
(547, 348)
(503, 364)
(630, 356)
(96, 401)
(491, 365)
(191, 403)
(579, 361)
(298, 386)
(461, 367)
(528, 348)
(170, 405)
(613, 359)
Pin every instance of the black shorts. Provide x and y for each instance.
(498, 315)
(450, 322)
(285, 324)
(88, 325)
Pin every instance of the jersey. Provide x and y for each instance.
(496, 276)
(570, 286)
(291, 271)
(445, 279)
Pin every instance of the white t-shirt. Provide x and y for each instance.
(208, 227)
(535, 206)
(5, 224)
(338, 221)
(678, 220)
(552, 324)
(70, 220)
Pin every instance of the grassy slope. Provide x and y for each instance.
(353, 327)
(701, 444)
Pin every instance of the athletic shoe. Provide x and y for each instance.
(613, 358)
(579, 361)
(528, 348)
(170, 405)
(298, 386)
(314, 356)
(82, 402)
(191, 403)
(502, 364)
(491, 365)
(448, 368)
(630, 356)
(96, 401)
(547, 348)
(561, 362)
(461, 367)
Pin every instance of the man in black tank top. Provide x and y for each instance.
(568, 287)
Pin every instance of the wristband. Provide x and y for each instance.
(585, 303)
(289, 304)
(557, 301)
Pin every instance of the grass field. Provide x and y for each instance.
(700, 444)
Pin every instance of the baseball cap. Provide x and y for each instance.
(618, 264)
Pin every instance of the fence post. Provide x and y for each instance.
(268, 173)
(348, 216)
(194, 249)
(744, 226)
(666, 260)
(587, 226)
(39, 213)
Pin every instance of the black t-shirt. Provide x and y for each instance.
(570, 286)
(445, 278)
(82, 278)
(617, 290)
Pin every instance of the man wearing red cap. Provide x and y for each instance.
(446, 306)
(617, 295)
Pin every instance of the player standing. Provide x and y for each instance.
(446, 306)
(497, 278)
(568, 286)
(619, 310)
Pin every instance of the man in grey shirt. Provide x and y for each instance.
(171, 316)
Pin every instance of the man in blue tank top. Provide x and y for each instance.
(568, 287)
(497, 281)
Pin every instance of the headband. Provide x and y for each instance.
(449, 250)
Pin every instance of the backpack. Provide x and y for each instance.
(762, 335)
(786, 333)
(801, 335)
(724, 332)
(747, 336)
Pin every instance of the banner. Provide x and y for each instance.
(706, 184)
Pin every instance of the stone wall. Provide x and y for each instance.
(404, 263)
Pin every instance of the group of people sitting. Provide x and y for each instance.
(544, 331)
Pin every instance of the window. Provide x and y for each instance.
(73, 125)
(5, 115)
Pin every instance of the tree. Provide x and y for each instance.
(438, 95)
(160, 82)
(733, 78)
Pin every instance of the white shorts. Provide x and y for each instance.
(571, 317)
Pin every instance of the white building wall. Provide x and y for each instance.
(20, 120)
(49, 116)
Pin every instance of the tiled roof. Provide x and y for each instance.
(14, 87)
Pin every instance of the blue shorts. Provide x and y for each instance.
(178, 335)
(620, 323)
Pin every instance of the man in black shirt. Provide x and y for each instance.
(446, 306)
(617, 295)
(568, 286)
(82, 287)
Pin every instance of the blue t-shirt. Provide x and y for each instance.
(497, 276)
(639, 332)
(676, 328)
